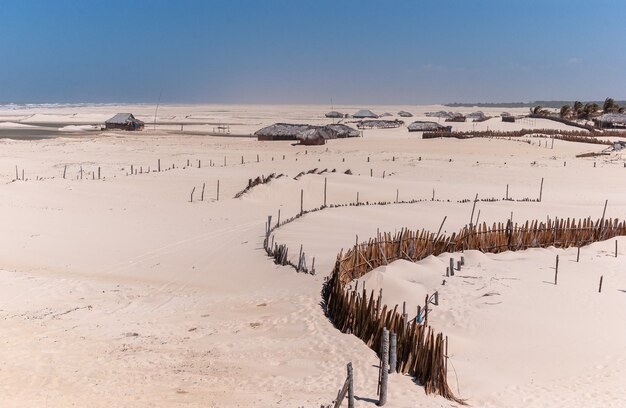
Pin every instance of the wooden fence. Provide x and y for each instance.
(566, 135)
(420, 350)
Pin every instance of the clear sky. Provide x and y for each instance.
(271, 51)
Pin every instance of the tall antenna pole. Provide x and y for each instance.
(157, 108)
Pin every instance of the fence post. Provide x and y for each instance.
(301, 201)
(384, 375)
(350, 386)
(451, 266)
(393, 352)
(541, 188)
(325, 183)
(556, 270)
(600, 287)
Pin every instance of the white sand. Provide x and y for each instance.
(120, 292)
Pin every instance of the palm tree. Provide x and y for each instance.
(610, 105)
(578, 107)
(566, 111)
(589, 110)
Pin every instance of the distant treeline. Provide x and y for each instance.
(545, 104)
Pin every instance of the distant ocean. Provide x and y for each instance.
(18, 106)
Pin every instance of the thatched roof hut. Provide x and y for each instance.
(405, 114)
(477, 115)
(339, 131)
(610, 120)
(379, 124)
(365, 113)
(124, 121)
(334, 114)
(312, 137)
(317, 135)
(456, 117)
(281, 131)
(440, 114)
(423, 126)
(286, 131)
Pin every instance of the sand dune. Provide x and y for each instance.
(122, 292)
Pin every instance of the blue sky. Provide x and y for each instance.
(264, 51)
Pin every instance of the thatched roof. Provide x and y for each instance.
(422, 126)
(611, 118)
(334, 114)
(123, 118)
(339, 131)
(286, 131)
(405, 114)
(440, 114)
(317, 135)
(312, 137)
(365, 113)
(477, 115)
(379, 124)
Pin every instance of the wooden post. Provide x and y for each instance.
(393, 352)
(426, 310)
(301, 201)
(433, 199)
(313, 266)
(199, 163)
(371, 172)
(159, 165)
(446, 354)
(17, 174)
(224, 161)
(65, 171)
(556, 270)
(440, 227)
(462, 260)
(218, 190)
(507, 192)
(616, 248)
(600, 287)
(473, 208)
(578, 255)
(278, 222)
(384, 375)
(601, 221)
(202, 195)
(98, 173)
(357, 198)
(191, 199)
(241, 159)
(325, 184)
(397, 194)
(257, 158)
(541, 190)
(131, 170)
(350, 386)
(451, 266)
(81, 173)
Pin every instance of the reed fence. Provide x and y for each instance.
(566, 135)
(421, 350)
